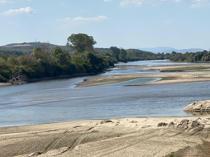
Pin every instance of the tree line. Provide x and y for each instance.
(203, 56)
(47, 63)
(78, 57)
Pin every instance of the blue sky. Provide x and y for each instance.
(123, 23)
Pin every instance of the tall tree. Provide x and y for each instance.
(60, 56)
(81, 42)
(116, 52)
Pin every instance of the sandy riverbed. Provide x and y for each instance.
(168, 74)
(147, 137)
(4, 84)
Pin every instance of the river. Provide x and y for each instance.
(61, 100)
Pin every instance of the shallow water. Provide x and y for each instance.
(59, 100)
(137, 67)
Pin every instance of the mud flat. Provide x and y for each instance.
(112, 138)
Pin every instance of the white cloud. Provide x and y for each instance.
(12, 1)
(80, 22)
(131, 2)
(13, 12)
(3, 1)
(192, 3)
(85, 19)
(199, 3)
(9, 1)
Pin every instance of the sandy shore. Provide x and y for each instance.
(167, 74)
(198, 72)
(4, 84)
(133, 137)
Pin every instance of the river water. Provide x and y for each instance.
(60, 100)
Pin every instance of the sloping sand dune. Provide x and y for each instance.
(131, 137)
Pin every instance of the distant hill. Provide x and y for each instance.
(144, 55)
(170, 49)
(27, 47)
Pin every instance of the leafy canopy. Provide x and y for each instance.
(81, 42)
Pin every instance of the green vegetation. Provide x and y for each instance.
(203, 56)
(36, 61)
(122, 55)
(187, 68)
(24, 64)
(81, 42)
(45, 62)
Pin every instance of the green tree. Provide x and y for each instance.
(123, 55)
(116, 53)
(38, 53)
(61, 57)
(5, 71)
(81, 42)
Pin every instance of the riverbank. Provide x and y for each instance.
(192, 72)
(5, 84)
(118, 137)
(52, 78)
(167, 74)
(198, 107)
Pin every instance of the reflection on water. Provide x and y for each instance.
(138, 81)
(138, 67)
(152, 63)
(58, 100)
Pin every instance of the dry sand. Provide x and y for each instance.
(168, 74)
(4, 84)
(198, 72)
(198, 106)
(130, 137)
